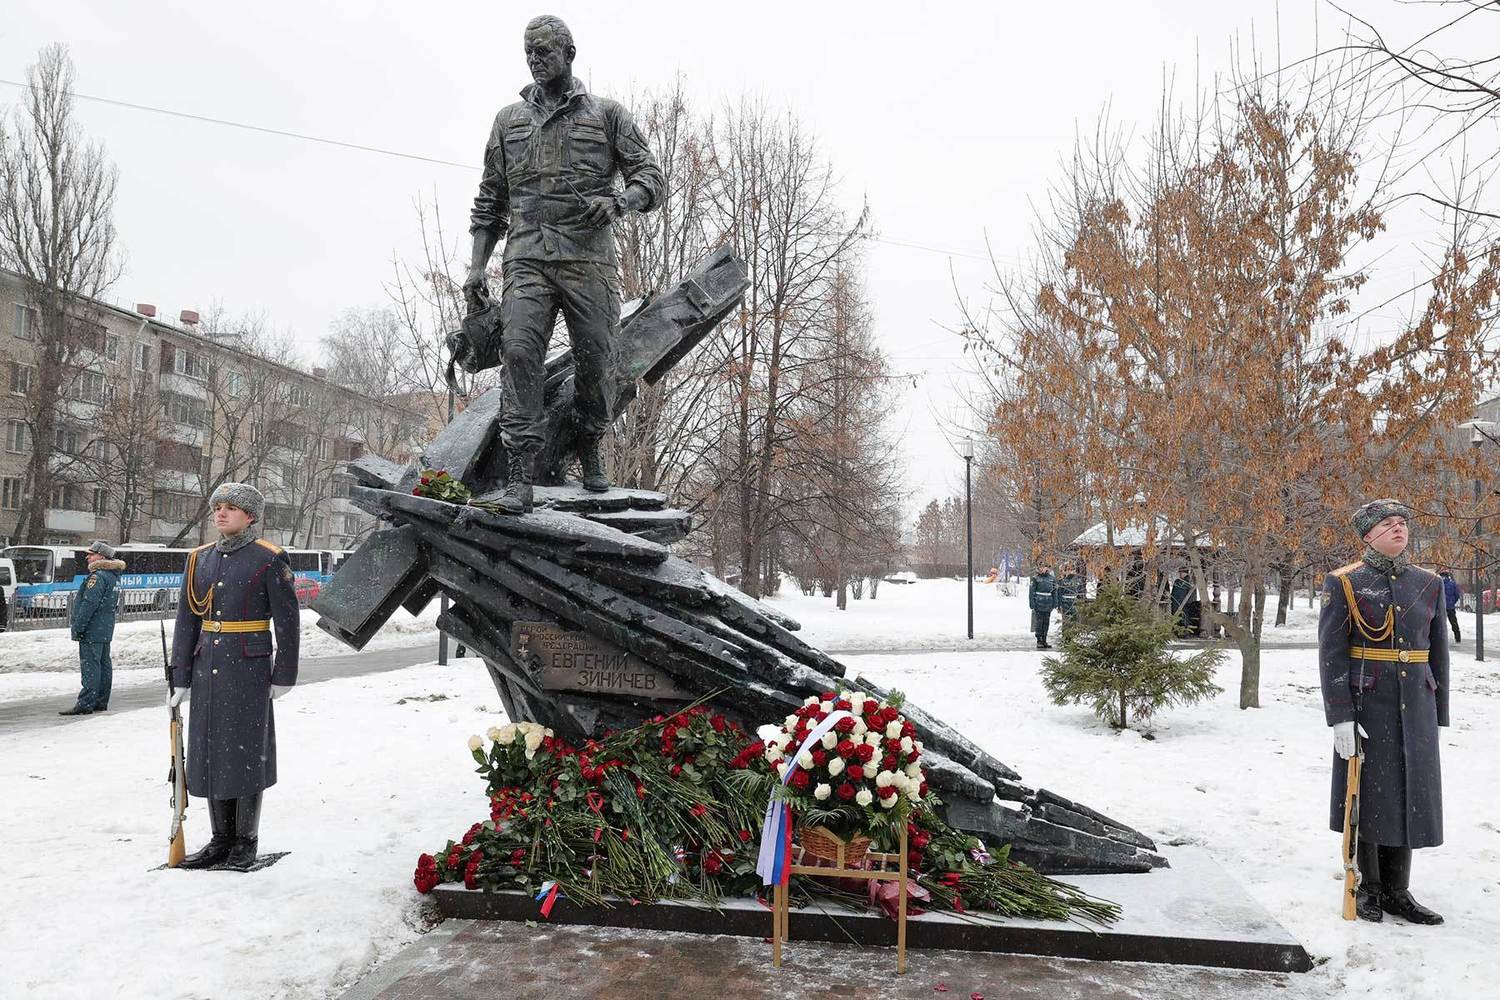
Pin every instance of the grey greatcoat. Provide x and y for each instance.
(1400, 703)
(231, 748)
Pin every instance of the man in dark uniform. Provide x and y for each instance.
(1451, 593)
(1383, 653)
(548, 190)
(93, 625)
(236, 593)
(1070, 590)
(1043, 598)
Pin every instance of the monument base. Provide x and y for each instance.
(1193, 913)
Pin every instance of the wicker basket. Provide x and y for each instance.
(821, 846)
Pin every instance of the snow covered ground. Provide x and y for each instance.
(368, 782)
(933, 613)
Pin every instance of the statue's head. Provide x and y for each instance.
(549, 49)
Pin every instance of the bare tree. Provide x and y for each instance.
(57, 194)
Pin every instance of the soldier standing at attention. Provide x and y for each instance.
(1383, 653)
(548, 191)
(1042, 598)
(236, 593)
(93, 625)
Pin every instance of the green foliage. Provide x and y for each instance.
(1115, 658)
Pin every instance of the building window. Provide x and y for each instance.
(28, 321)
(193, 366)
(171, 506)
(280, 517)
(85, 333)
(178, 457)
(100, 448)
(111, 348)
(88, 387)
(11, 495)
(17, 437)
(319, 528)
(101, 503)
(297, 395)
(284, 435)
(66, 496)
(20, 378)
(68, 441)
(234, 383)
(143, 357)
(110, 395)
(182, 409)
(341, 485)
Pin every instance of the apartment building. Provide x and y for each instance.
(155, 414)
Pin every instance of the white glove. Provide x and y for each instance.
(177, 697)
(277, 690)
(1343, 738)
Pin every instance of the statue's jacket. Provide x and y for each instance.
(1383, 658)
(231, 726)
(540, 166)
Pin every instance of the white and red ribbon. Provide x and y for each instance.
(776, 834)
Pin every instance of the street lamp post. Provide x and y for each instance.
(968, 453)
(1476, 438)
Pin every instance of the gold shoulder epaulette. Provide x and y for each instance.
(270, 545)
(1349, 568)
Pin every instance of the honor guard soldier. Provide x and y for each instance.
(237, 594)
(1383, 653)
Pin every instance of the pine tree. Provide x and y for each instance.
(1116, 658)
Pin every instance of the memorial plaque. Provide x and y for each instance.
(585, 664)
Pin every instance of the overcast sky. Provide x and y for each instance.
(949, 118)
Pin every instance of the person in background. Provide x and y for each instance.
(1451, 594)
(93, 625)
(1070, 591)
(1182, 592)
(1043, 598)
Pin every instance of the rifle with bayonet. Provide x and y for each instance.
(177, 777)
(1351, 827)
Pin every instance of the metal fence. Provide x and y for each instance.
(57, 610)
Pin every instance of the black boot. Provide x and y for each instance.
(77, 710)
(517, 496)
(1395, 864)
(221, 820)
(246, 833)
(1367, 896)
(594, 480)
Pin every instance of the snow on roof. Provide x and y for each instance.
(1131, 536)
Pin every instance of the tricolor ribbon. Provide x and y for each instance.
(776, 833)
(552, 891)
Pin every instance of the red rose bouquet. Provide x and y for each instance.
(860, 776)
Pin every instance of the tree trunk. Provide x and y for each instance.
(1249, 670)
(1123, 721)
(1286, 594)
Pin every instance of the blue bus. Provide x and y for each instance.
(48, 576)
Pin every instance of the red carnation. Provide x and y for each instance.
(518, 855)
(718, 723)
(846, 791)
(745, 836)
(921, 840)
(713, 863)
(698, 809)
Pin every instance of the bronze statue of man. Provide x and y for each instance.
(549, 190)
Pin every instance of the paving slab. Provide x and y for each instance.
(466, 958)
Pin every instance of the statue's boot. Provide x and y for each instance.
(246, 833)
(221, 821)
(1367, 897)
(518, 477)
(594, 479)
(1395, 865)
